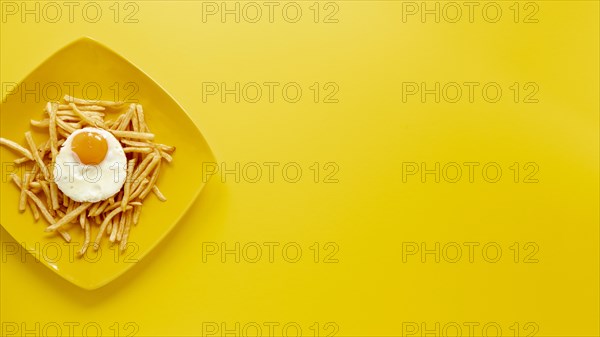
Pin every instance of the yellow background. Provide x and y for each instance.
(370, 212)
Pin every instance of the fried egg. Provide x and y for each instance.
(91, 165)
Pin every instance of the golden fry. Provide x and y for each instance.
(82, 108)
(114, 227)
(152, 182)
(65, 126)
(82, 220)
(16, 147)
(166, 156)
(135, 122)
(124, 218)
(36, 154)
(166, 148)
(141, 187)
(141, 118)
(144, 150)
(132, 134)
(128, 181)
(125, 236)
(127, 118)
(105, 224)
(136, 143)
(146, 172)
(84, 117)
(40, 124)
(68, 217)
(21, 160)
(34, 210)
(24, 189)
(86, 240)
(158, 193)
(47, 215)
(138, 170)
(54, 195)
(101, 208)
(136, 214)
(109, 104)
(65, 200)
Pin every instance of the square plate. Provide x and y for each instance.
(86, 68)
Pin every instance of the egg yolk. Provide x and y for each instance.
(90, 147)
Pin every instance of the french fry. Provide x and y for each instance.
(105, 224)
(15, 178)
(54, 195)
(166, 148)
(132, 134)
(136, 214)
(146, 172)
(84, 117)
(109, 104)
(82, 220)
(70, 114)
(101, 208)
(21, 160)
(117, 122)
(152, 182)
(166, 156)
(127, 118)
(144, 150)
(65, 200)
(136, 143)
(124, 218)
(46, 190)
(86, 240)
(24, 189)
(141, 118)
(138, 170)
(36, 154)
(69, 118)
(16, 147)
(114, 227)
(34, 185)
(47, 215)
(49, 218)
(128, 182)
(83, 107)
(65, 126)
(41, 123)
(70, 206)
(63, 133)
(125, 236)
(136, 193)
(44, 148)
(68, 217)
(135, 122)
(158, 193)
(34, 209)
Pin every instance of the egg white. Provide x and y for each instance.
(91, 183)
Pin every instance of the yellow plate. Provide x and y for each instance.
(89, 69)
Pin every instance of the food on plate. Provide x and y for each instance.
(92, 173)
(91, 165)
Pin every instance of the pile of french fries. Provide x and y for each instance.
(114, 216)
